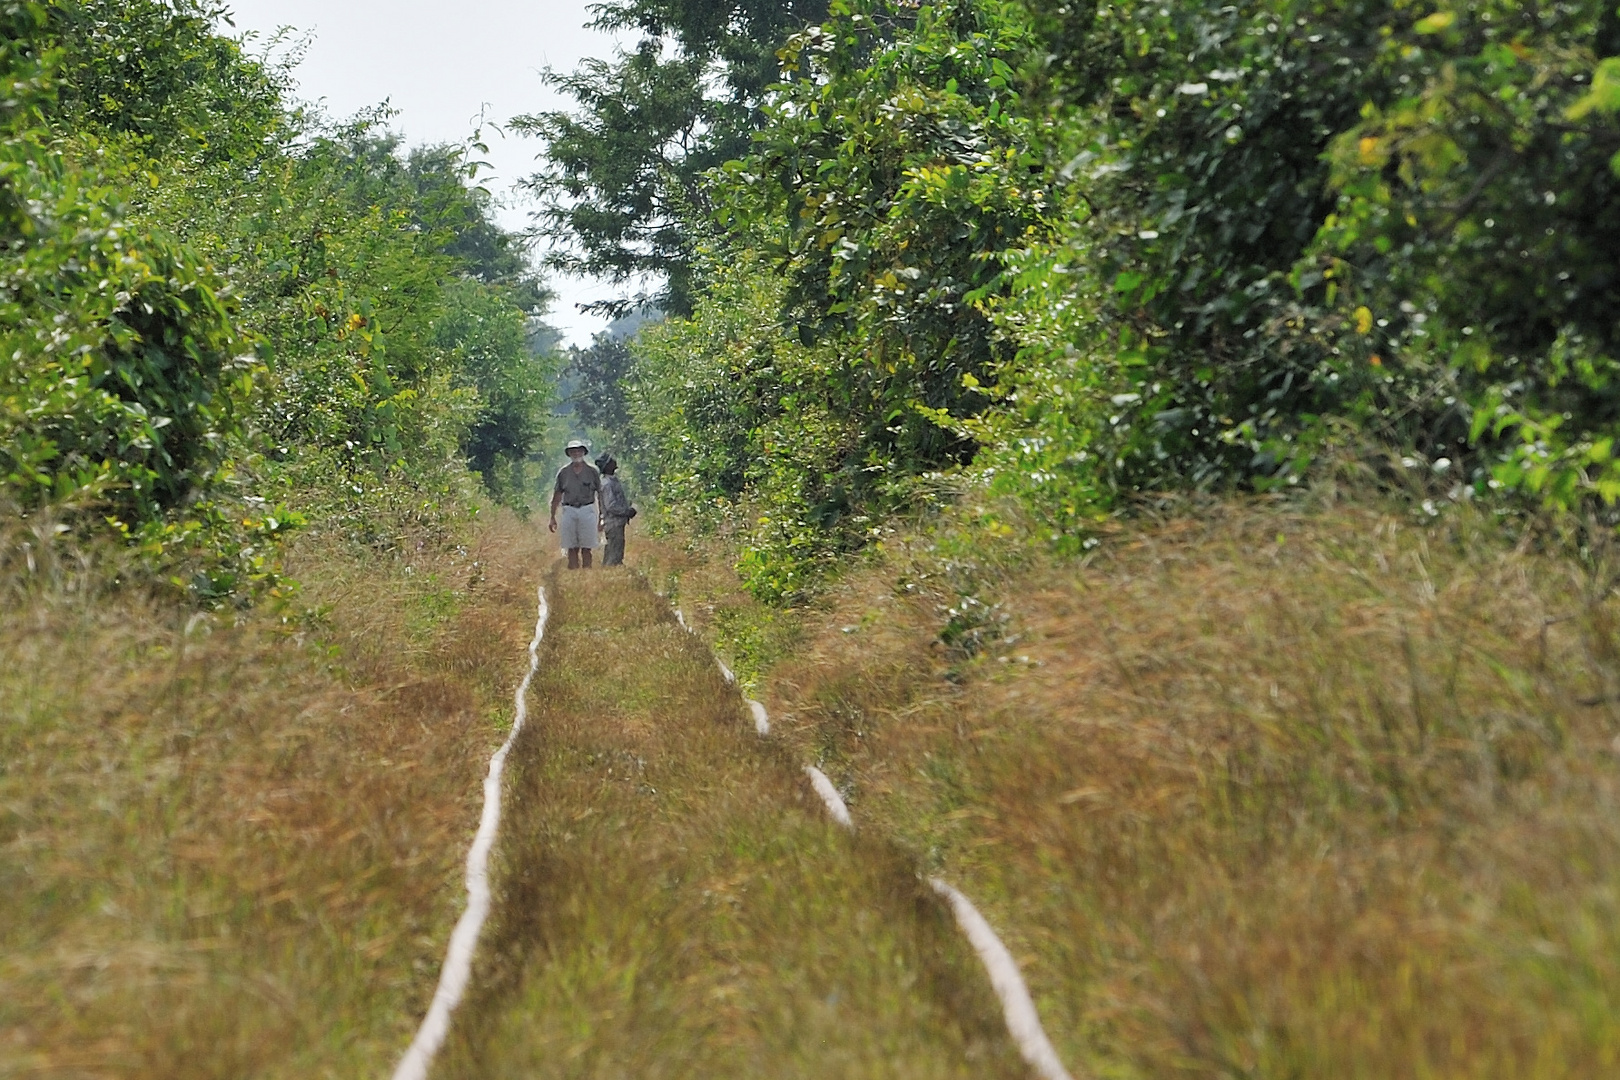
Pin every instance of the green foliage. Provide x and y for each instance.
(595, 388)
(602, 370)
(893, 172)
(839, 339)
(621, 186)
(1478, 226)
(213, 308)
(734, 420)
(1099, 250)
(349, 290)
(487, 339)
(121, 371)
(1161, 338)
(125, 375)
(394, 317)
(160, 73)
(1295, 224)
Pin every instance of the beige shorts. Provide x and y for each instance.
(576, 527)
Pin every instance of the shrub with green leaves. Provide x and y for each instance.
(1476, 248)
(731, 415)
(122, 373)
(1292, 225)
(838, 335)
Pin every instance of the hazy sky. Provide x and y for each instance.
(439, 65)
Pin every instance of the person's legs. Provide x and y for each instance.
(578, 534)
(613, 545)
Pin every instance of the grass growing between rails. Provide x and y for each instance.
(673, 901)
(235, 849)
(1255, 790)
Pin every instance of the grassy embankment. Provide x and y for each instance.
(674, 901)
(235, 849)
(1255, 790)
(1275, 792)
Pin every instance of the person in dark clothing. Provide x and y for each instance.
(616, 511)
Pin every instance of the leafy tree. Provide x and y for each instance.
(393, 313)
(1188, 148)
(160, 73)
(488, 341)
(893, 172)
(1100, 249)
(603, 369)
(433, 186)
(620, 188)
(732, 417)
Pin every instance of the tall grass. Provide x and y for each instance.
(1255, 790)
(673, 900)
(232, 847)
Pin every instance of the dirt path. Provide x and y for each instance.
(674, 901)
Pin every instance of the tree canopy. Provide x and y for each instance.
(621, 189)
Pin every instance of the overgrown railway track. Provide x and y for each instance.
(673, 899)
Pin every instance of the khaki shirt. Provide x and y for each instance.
(578, 486)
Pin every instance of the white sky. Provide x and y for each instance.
(439, 65)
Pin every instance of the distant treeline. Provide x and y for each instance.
(1091, 250)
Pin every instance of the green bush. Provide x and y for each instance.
(1476, 246)
(730, 416)
(1293, 225)
(893, 171)
(122, 373)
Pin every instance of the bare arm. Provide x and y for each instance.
(556, 500)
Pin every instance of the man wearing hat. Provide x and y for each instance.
(579, 493)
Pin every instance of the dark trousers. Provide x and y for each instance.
(613, 543)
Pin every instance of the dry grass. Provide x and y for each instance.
(235, 849)
(674, 903)
(1254, 792)
(1275, 793)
